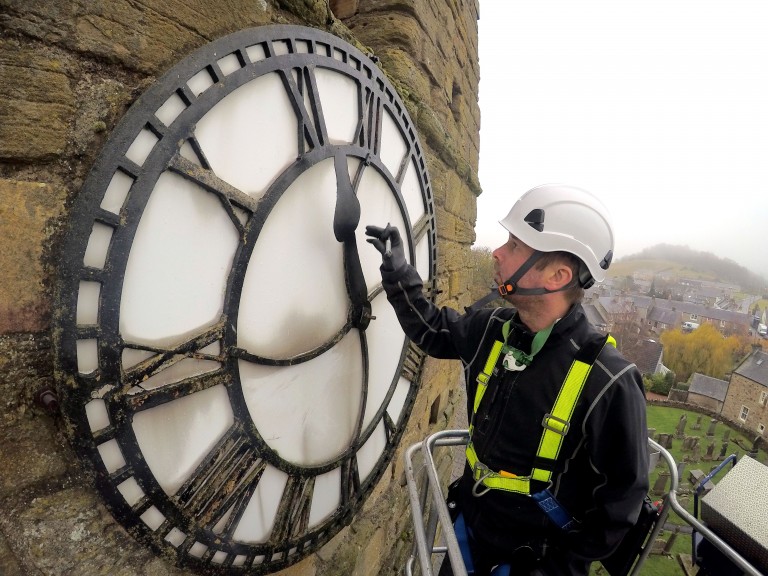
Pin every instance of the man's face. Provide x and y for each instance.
(508, 257)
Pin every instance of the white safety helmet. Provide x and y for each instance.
(556, 217)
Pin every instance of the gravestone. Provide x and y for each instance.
(658, 546)
(671, 542)
(710, 453)
(680, 431)
(651, 433)
(660, 486)
(697, 425)
(727, 435)
(695, 477)
(665, 440)
(696, 453)
(723, 450)
(712, 425)
(689, 443)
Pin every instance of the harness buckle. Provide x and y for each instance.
(477, 493)
(562, 428)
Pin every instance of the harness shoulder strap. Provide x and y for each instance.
(556, 423)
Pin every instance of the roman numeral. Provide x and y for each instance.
(292, 519)
(368, 132)
(204, 177)
(135, 377)
(223, 484)
(350, 481)
(302, 92)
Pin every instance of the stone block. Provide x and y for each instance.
(71, 532)
(9, 565)
(26, 208)
(36, 104)
(29, 454)
(150, 37)
(344, 8)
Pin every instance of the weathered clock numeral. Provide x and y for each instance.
(292, 518)
(302, 89)
(412, 362)
(350, 480)
(368, 132)
(389, 427)
(204, 177)
(223, 483)
(140, 375)
(167, 357)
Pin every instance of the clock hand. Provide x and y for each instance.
(346, 217)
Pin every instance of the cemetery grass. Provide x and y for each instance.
(665, 420)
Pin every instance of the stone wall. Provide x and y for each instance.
(69, 69)
(736, 424)
(745, 392)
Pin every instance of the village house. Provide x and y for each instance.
(707, 392)
(746, 400)
(658, 315)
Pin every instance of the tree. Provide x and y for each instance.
(660, 383)
(481, 272)
(703, 350)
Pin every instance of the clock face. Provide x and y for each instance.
(227, 363)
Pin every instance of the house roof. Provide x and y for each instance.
(708, 386)
(617, 305)
(665, 316)
(646, 355)
(645, 302)
(594, 316)
(755, 367)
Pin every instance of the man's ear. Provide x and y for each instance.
(559, 274)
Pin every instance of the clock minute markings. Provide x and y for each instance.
(412, 362)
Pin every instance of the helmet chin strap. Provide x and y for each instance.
(510, 285)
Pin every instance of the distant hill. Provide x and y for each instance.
(696, 264)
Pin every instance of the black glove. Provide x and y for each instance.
(393, 253)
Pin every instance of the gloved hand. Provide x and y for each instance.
(393, 253)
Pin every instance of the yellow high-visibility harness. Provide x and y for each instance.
(556, 423)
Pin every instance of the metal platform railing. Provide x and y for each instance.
(429, 514)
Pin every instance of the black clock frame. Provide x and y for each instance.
(242, 447)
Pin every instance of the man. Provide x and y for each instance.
(559, 417)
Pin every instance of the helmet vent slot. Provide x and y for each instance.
(535, 219)
(607, 260)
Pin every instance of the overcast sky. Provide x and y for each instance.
(658, 107)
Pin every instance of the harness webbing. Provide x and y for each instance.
(556, 423)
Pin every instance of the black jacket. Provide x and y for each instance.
(602, 472)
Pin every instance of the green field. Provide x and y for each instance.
(665, 420)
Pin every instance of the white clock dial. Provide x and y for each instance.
(229, 366)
